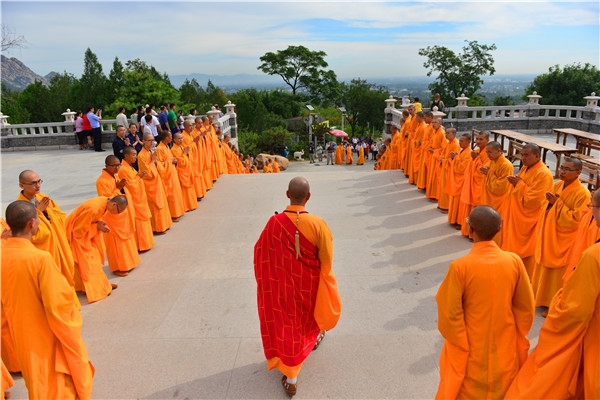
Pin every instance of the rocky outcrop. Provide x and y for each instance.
(17, 76)
(284, 163)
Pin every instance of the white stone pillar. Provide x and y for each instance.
(592, 101)
(69, 115)
(534, 99)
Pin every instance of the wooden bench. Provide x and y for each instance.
(514, 150)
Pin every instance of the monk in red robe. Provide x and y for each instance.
(120, 241)
(566, 361)
(297, 293)
(137, 192)
(485, 310)
(557, 230)
(85, 226)
(524, 203)
(44, 321)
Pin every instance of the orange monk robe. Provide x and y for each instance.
(52, 237)
(10, 361)
(524, 209)
(230, 159)
(186, 176)
(276, 168)
(168, 174)
(120, 242)
(485, 335)
(557, 231)
(137, 192)
(204, 152)
(423, 169)
(458, 169)
(415, 152)
(438, 143)
(349, 155)
(45, 323)
(7, 381)
(566, 361)
(495, 188)
(196, 161)
(267, 168)
(588, 233)
(215, 152)
(471, 192)
(155, 192)
(88, 249)
(445, 171)
(403, 148)
(361, 156)
(339, 154)
(222, 157)
(326, 300)
(394, 145)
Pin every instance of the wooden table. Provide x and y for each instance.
(556, 148)
(586, 141)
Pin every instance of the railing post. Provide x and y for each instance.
(69, 117)
(389, 116)
(591, 108)
(230, 109)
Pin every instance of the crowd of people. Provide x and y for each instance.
(544, 226)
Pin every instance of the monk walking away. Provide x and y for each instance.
(297, 293)
(566, 362)
(485, 310)
(44, 321)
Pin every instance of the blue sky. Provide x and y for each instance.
(366, 39)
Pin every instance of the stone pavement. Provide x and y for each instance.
(184, 325)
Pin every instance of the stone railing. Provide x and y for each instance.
(530, 118)
(59, 135)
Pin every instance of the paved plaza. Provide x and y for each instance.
(184, 324)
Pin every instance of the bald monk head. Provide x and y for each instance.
(112, 164)
(30, 183)
(530, 154)
(494, 150)
(450, 134)
(464, 141)
(570, 170)
(117, 204)
(148, 141)
(298, 191)
(484, 223)
(22, 217)
(129, 155)
(188, 126)
(482, 139)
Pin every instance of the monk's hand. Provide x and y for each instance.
(174, 160)
(153, 157)
(197, 138)
(142, 174)
(551, 197)
(452, 155)
(121, 184)
(186, 151)
(43, 204)
(474, 154)
(484, 170)
(513, 179)
(102, 227)
(430, 149)
(6, 233)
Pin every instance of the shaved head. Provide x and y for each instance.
(298, 190)
(148, 136)
(485, 222)
(25, 176)
(18, 215)
(534, 148)
(494, 145)
(129, 150)
(111, 160)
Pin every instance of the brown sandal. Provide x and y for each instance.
(290, 388)
(319, 340)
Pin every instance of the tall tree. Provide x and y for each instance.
(93, 83)
(363, 101)
(61, 91)
(458, 73)
(300, 68)
(568, 86)
(35, 99)
(11, 106)
(116, 80)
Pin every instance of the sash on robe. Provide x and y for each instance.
(286, 301)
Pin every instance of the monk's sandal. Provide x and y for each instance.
(290, 388)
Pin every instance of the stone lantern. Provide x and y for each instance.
(214, 113)
(592, 101)
(437, 114)
(391, 102)
(69, 115)
(230, 107)
(534, 99)
(462, 101)
(4, 125)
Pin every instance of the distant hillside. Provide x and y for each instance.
(18, 76)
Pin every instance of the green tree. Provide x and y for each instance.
(35, 98)
(568, 86)
(363, 101)
(142, 88)
(190, 92)
(11, 106)
(503, 101)
(272, 139)
(300, 69)
(61, 91)
(116, 80)
(91, 91)
(458, 73)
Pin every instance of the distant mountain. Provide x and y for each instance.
(231, 82)
(18, 76)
